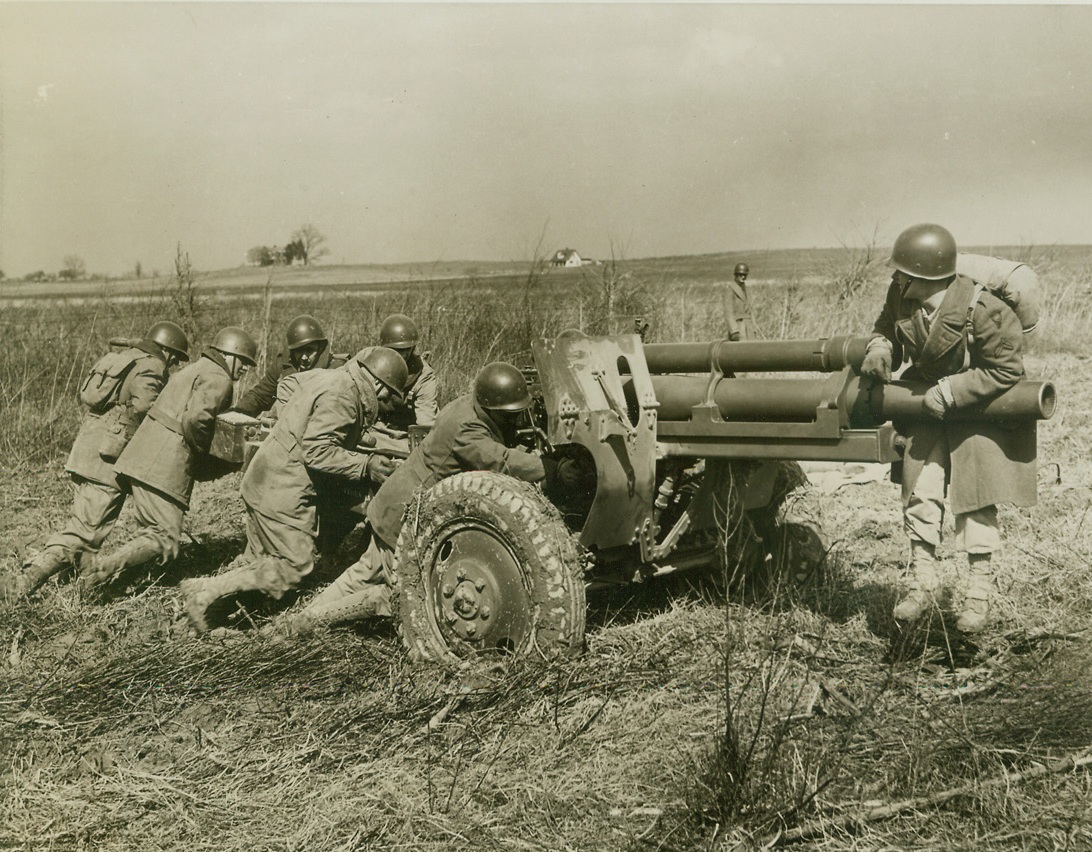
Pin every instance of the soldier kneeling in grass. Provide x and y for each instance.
(118, 393)
(310, 454)
(477, 431)
(168, 451)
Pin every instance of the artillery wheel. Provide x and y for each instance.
(486, 566)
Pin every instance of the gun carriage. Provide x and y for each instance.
(671, 460)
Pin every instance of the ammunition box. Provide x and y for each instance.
(233, 432)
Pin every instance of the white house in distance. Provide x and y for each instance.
(566, 257)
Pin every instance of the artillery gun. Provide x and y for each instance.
(674, 462)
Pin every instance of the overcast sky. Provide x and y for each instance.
(415, 132)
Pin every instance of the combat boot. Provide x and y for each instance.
(976, 606)
(99, 570)
(202, 592)
(923, 582)
(48, 563)
(373, 601)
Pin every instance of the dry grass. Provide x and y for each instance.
(120, 731)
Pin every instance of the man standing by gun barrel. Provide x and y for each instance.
(958, 334)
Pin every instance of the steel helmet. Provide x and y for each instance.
(501, 387)
(925, 251)
(304, 329)
(171, 337)
(742, 269)
(387, 366)
(398, 332)
(234, 341)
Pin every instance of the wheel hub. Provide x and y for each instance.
(478, 592)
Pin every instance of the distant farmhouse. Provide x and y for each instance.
(567, 257)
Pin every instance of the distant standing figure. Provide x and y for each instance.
(967, 342)
(739, 305)
(307, 348)
(165, 454)
(118, 392)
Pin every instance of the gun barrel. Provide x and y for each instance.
(867, 403)
(828, 355)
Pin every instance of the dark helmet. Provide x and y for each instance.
(234, 341)
(501, 387)
(304, 329)
(398, 332)
(925, 251)
(387, 366)
(742, 269)
(171, 337)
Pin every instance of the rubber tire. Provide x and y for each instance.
(527, 524)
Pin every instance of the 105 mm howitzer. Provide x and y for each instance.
(672, 461)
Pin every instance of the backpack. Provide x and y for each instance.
(102, 387)
(1014, 283)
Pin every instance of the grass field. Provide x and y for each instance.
(692, 722)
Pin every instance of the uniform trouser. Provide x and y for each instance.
(282, 555)
(160, 519)
(923, 515)
(95, 510)
(373, 571)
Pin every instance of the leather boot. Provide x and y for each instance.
(47, 563)
(370, 602)
(202, 592)
(96, 571)
(976, 606)
(923, 582)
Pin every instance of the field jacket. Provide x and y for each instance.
(990, 462)
(311, 449)
(261, 397)
(177, 432)
(112, 429)
(463, 438)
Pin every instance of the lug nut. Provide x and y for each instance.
(450, 617)
(460, 574)
(448, 590)
(485, 612)
(471, 630)
(479, 585)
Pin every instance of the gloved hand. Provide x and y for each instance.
(565, 473)
(877, 363)
(934, 403)
(735, 337)
(378, 468)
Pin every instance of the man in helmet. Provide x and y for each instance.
(418, 406)
(160, 462)
(967, 341)
(118, 392)
(477, 431)
(310, 452)
(306, 348)
(738, 305)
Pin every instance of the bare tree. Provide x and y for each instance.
(313, 243)
(73, 268)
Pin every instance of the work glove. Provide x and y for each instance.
(735, 337)
(877, 363)
(565, 473)
(934, 403)
(378, 468)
